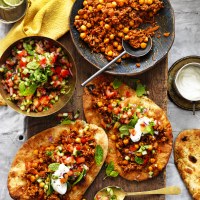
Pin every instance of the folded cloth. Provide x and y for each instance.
(48, 18)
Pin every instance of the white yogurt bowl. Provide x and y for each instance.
(187, 82)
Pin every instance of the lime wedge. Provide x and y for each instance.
(3, 5)
(13, 2)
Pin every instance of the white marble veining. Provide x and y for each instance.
(187, 42)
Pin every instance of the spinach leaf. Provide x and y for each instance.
(80, 177)
(116, 83)
(139, 160)
(98, 155)
(54, 166)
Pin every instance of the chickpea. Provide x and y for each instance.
(119, 48)
(101, 23)
(149, 2)
(126, 30)
(78, 140)
(131, 23)
(146, 39)
(159, 167)
(143, 45)
(77, 17)
(113, 137)
(35, 152)
(83, 28)
(35, 164)
(80, 12)
(32, 179)
(85, 16)
(99, 6)
(120, 34)
(114, 4)
(126, 141)
(137, 64)
(89, 25)
(101, 1)
(103, 49)
(85, 3)
(106, 40)
(155, 145)
(107, 26)
(115, 44)
(112, 36)
(126, 150)
(150, 168)
(120, 26)
(121, 3)
(41, 160)
(119, 60)
(152, 160)
(126, 37)
(141, 2)
(41, 184)
(90, 8)
(83, 35)
(138, 154)
(136, 146)
(150, 147)
(110, 53)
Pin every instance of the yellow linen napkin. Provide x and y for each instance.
(48, 18)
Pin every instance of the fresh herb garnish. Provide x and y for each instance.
(110, 170)
(139, 160)
(26, 91)
(133, 121)
(28, 48)
(98, 155)
(80, 177)
(66, 121)
(49, 153)
(139, 87)
(54, 166)
(116, 83)
(124, 130)
(50, 188)
(32, 65)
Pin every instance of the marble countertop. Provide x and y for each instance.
(187, 42)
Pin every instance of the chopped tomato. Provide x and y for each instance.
(44, 100)
(132, 131)
(53, 59)
(110, 94)
(146, 160)
(78, 147)
(43, 61)
(22, 53)
(128, 94)
(80, 160)
(116, 110)
(83, 140)
(133, 148)
(53, 70)
(22, 63)
(64, 73)
(58, 70)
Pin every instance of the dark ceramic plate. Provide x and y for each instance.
(63, 99)
(161, 46)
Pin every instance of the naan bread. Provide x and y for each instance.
(2, 102)
(93, 116)
(17, 183)
(187, 159)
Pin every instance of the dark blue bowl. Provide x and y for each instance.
(161, 46)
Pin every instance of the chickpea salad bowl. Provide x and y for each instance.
(37, 76)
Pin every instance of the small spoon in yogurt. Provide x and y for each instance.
(117, 193)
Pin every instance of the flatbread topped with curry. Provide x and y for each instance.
(58, 163)
(140, 135)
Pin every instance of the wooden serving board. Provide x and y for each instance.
(156, 82)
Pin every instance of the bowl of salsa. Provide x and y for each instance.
(37, 76)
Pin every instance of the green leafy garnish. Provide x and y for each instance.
(124, 130)
(50, 188)
(133, 121)
(32, 65)
(140, 90)
(54, 166)
(80, 177)
(139, 160)
(149, 129)
(110, 171)
(116, 83)
(143, 148)
(66, 121)
(98, 155)
(49, 153)
(28, 48)
(26, 91)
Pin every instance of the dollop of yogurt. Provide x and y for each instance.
(56, 184)
(188, 82)
(138, 128)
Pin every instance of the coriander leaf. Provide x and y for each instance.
(114, 174)
(54, 166)
(98, 155)
(124, 130)
(140, 90)
(139, 160)
(50, 188)
(28, 48)
(66, 121)
(148, 129)
(22, 87)
(49, 153)
(109, 168)
(80, 177)
(133, 121)
(116, 83)
(32, 65)
(26, 91)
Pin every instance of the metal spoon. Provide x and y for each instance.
(127, 49)
(120, 193)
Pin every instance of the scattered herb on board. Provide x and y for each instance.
(116, 83)
(110, 170)
(139, 88)
(68, 118)
(98, 155)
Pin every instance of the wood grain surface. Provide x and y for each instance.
(156, 82)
